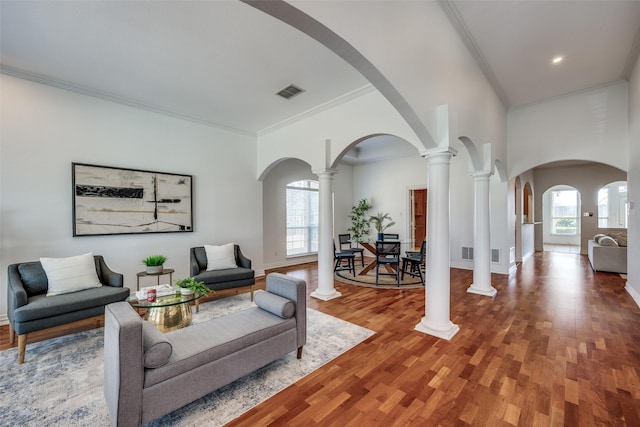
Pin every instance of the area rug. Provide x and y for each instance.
(384, 282)
(60, 383)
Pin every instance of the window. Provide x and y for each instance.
(564, 212)
(302, 217)
(612, 205)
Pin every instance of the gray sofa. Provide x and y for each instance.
(607, 258)
(148, 374)
(219, 280)
(30, 309)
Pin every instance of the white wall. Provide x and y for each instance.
(343, 124)
(633, 180)
(386, 186)
(45, 129)
(587, 125)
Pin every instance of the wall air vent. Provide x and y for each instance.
(290, 91)
(467, 253)
(495, 256)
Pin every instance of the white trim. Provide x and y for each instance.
(4, 320)
(318, 109)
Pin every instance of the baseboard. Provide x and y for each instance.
(290, 262)
(469, 266)
(4, 320)
(634, 294)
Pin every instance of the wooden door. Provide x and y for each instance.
(419, 198)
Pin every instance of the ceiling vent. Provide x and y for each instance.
(290, 91)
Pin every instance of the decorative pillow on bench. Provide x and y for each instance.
(157, 349)
(274, 304)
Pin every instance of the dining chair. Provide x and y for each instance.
(340, 258)
(388, 254)
(414, 260)
(345, 246)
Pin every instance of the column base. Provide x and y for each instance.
(447, 332)
(486, 292)
(324, 297)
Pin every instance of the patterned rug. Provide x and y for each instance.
(60, 383)
(384, 282)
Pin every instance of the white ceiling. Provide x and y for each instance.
(221, 62)
(517, 40)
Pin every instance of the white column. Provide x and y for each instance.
(325, 290)
(482, 237)
(437, 284)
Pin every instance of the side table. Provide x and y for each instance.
(168, 271)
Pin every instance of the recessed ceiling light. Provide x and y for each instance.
(557, 59)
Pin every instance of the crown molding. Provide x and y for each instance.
(318, 109)
(37, 78)
(631, 59)
(463, 31)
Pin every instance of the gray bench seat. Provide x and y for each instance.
(148, 374)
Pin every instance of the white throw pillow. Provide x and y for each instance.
(597, 237)
(220, 257)
(607, 241)
(71, 274)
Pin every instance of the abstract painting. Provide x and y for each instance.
(109, 200)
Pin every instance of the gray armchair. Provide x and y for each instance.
(30, 309)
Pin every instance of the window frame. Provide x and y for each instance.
(307, 186)
(552, 218)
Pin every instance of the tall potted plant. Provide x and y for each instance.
(379, 223)
(360, 222)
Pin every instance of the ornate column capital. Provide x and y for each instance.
(439, 152)
(325, 172)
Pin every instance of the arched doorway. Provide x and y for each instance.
(561, 219)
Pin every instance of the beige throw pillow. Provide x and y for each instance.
(220, 257)
(70, 274)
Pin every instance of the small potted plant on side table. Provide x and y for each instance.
(154, 263)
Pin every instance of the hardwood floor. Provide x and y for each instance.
(558, 345)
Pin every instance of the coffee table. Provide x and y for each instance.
(168, 312)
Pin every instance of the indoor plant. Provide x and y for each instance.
(154, 263)
(190, 285)
(360, 223)
(379, 223)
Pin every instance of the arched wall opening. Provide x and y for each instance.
(588, 178)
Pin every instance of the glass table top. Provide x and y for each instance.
(162, 301)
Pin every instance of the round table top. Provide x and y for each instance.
(165, 271)
(163, 301)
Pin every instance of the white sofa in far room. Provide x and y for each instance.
(609, 252)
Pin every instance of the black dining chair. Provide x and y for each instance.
(345, 246)
(413, 261)
(388, 253)
(340, 258)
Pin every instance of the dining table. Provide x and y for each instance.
(371, 247)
